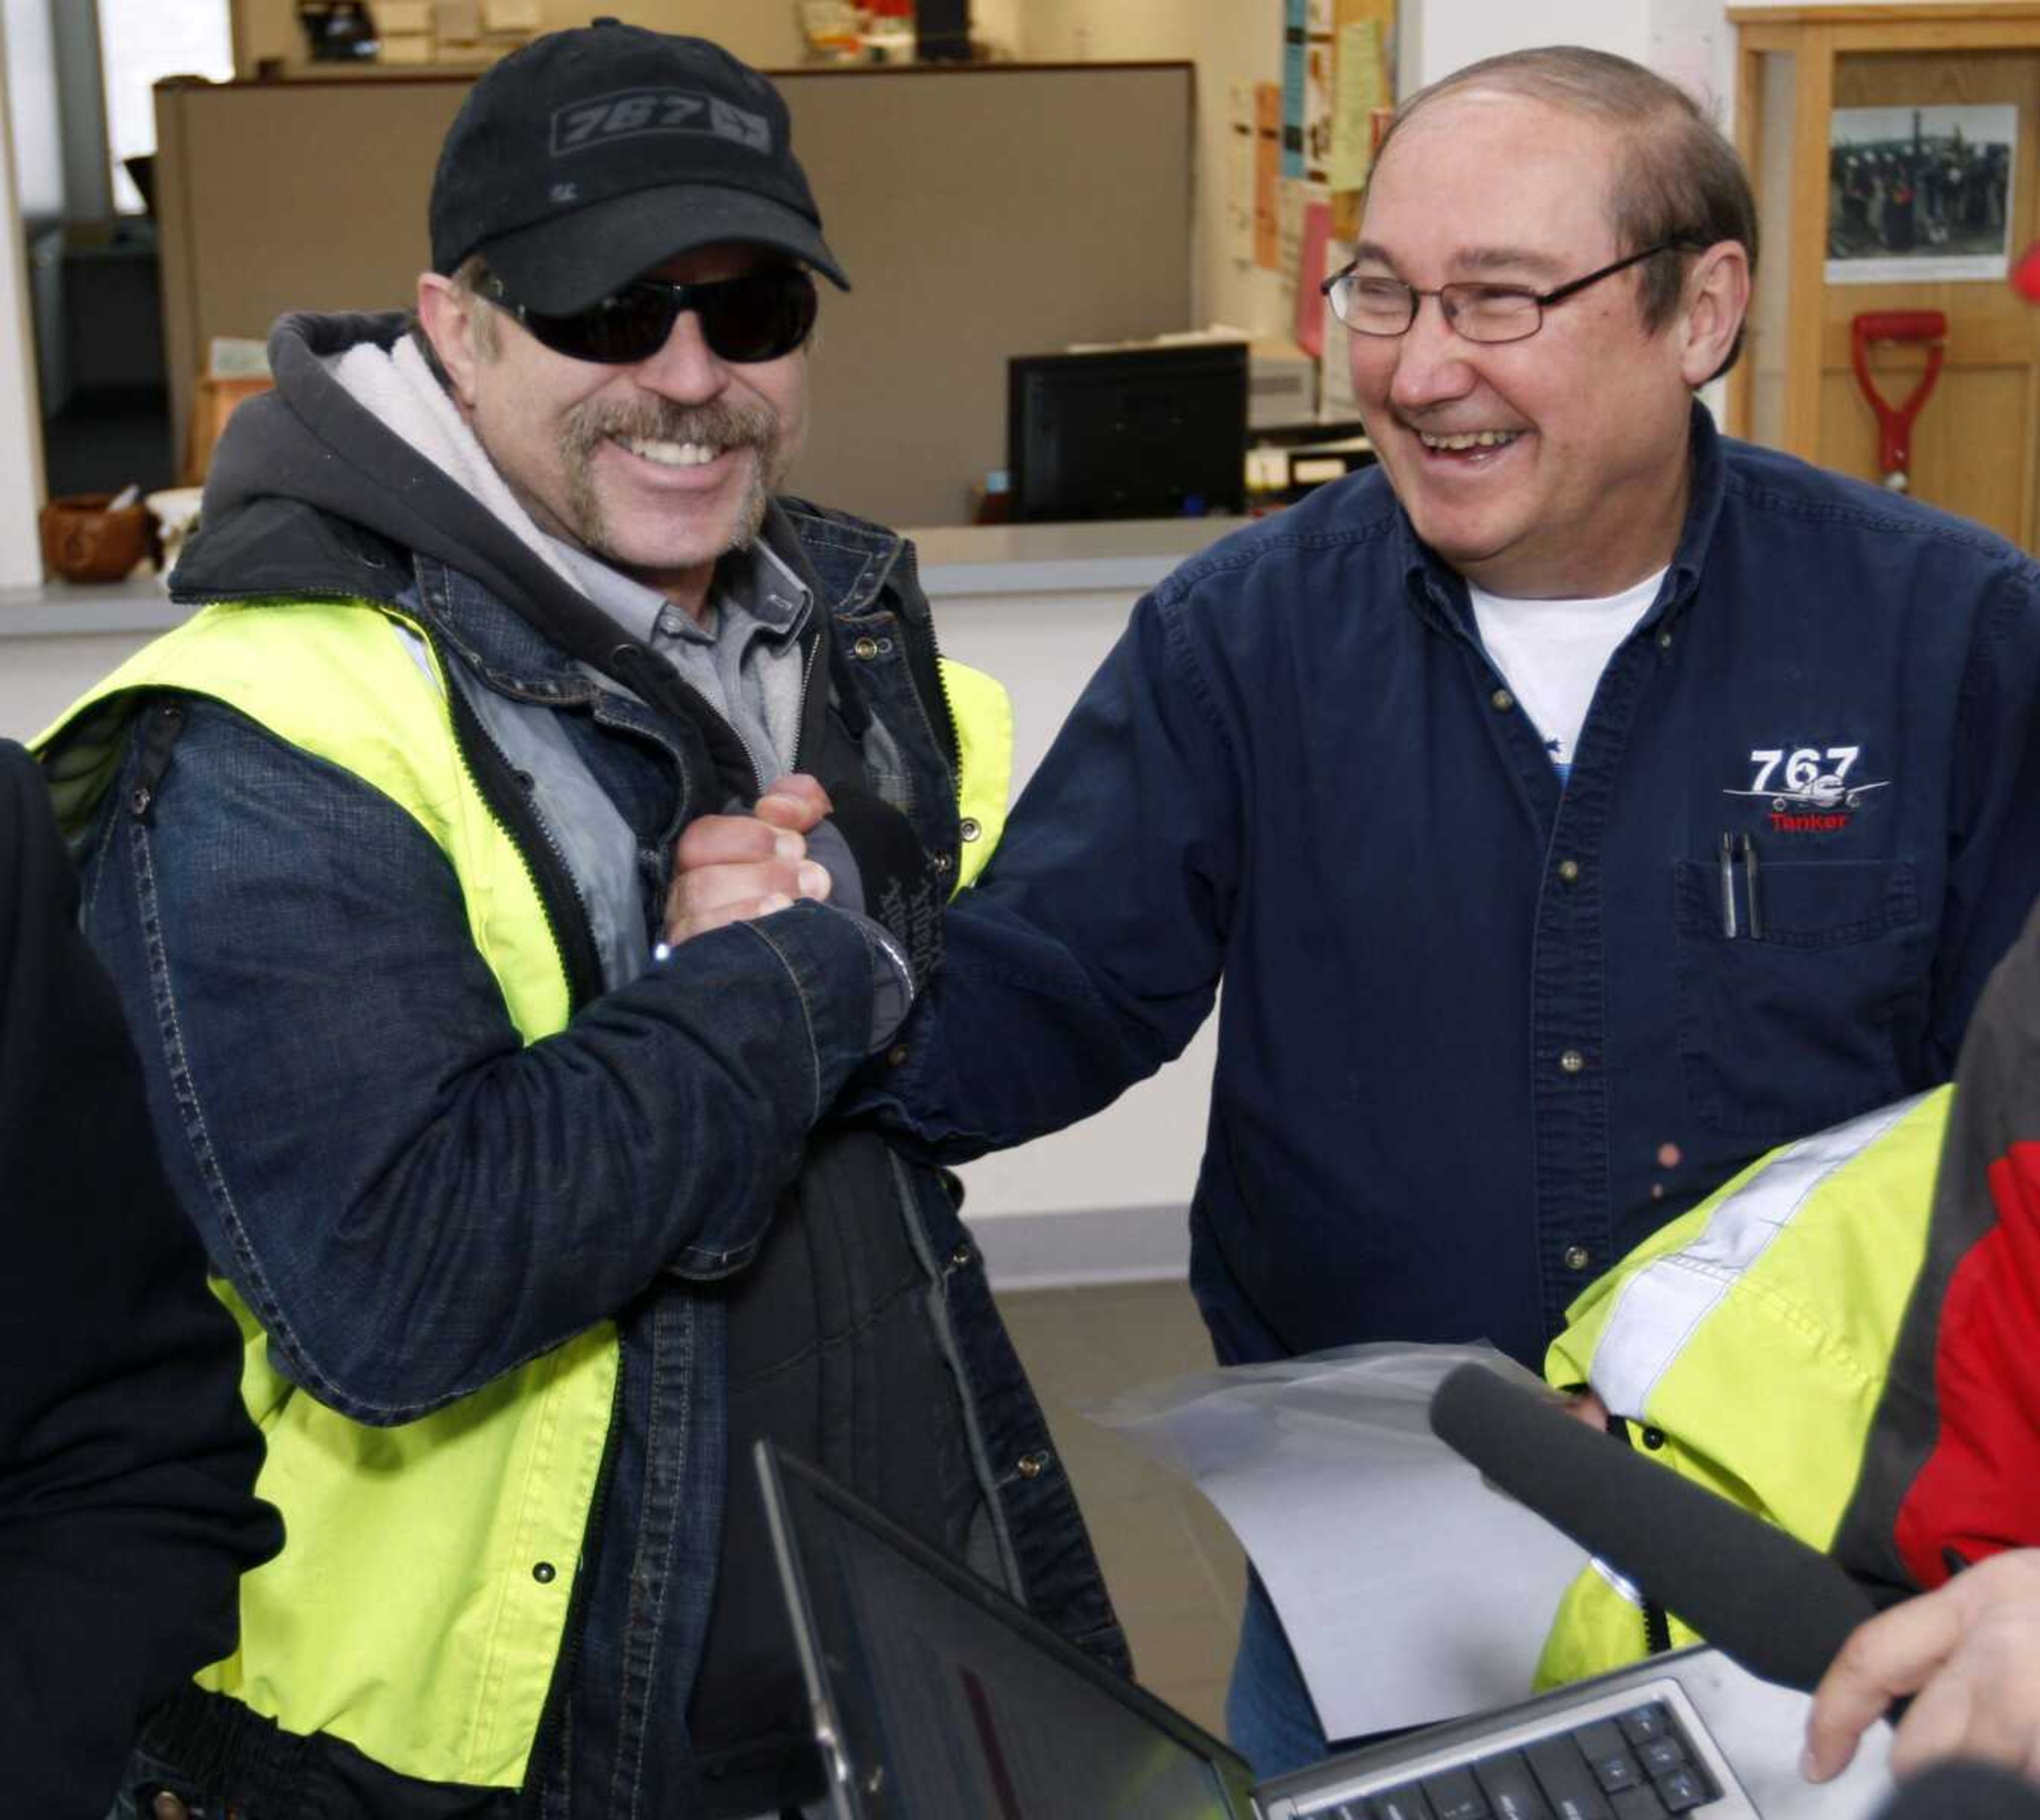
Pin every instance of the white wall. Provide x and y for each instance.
(21, 416)
(31, 102)
(82, 105)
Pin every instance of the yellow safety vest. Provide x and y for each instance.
(1746, 1344)
(417, 1608)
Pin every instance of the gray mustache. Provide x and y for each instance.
(718, 424)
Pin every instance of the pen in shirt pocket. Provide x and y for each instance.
(1739, 851)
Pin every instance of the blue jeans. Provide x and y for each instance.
(1269, 1717)
(1269, 1714)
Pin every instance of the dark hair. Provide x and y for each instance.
(1678, 178)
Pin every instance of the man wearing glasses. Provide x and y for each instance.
(526, 1210)
(1574, 807)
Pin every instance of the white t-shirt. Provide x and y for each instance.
(1551, 653)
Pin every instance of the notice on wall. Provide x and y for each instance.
(1311, 269)
(1320, 95)
(1334, 362)
(1295, 44)
(1239, 174)
(1268, 176)
(1362, 88)
(1294, 210)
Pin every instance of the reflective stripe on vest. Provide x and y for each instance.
(1751, 1337)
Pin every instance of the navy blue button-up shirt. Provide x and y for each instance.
(1482, 1033)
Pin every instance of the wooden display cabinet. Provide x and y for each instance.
(1975, 447)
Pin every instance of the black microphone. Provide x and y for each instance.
(1763, 1598)
(1965, 1791)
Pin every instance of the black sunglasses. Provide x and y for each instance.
(761, 316)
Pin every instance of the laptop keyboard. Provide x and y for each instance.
(1638, 1765)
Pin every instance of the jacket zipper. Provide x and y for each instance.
(495, 780)
(801, 755)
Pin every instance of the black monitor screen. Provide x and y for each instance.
(951, 1701)
(1146, 432)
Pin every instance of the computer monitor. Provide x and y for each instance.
(942, 31)
(1138, 432)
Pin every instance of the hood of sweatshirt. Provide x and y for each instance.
(327, 485)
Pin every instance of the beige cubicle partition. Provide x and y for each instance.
(981, 213)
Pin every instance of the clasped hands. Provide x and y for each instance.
(732, 868)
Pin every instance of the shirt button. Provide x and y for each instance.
(896, 1056)
(968, 828)
(1503, 701)
(1032, 1465)
(943, 862)
(1572, 1061)
(672, 622)
(544, 1572)
(961, 1256)
(1569, 871)
(867, 649)
(1664, 639)
(1577, 1256)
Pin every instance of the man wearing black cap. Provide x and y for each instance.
(507, 1151)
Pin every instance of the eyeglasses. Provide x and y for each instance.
(1371, 305)
(759, 316)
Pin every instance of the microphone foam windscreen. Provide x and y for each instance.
(1780, 1609)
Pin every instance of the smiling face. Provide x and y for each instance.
(1551, 467)
(659, 467)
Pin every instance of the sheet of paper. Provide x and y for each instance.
(1239, 175)
(1310, 323)
(1296, 47)
(1410, 1591)
(1360, 91)
(1267, 174)
(1334, 365)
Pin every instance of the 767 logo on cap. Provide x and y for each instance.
(1809, 787)
(625, 115)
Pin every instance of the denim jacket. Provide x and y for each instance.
(414, 1202)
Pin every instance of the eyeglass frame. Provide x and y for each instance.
(1543, 299)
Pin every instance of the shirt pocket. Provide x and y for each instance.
(1785, 1032)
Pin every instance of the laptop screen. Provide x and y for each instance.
(948, 1700)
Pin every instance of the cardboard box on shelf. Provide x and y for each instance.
(406, 47)
(402, 18)
(212, 404)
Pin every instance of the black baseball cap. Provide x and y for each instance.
(587, 158)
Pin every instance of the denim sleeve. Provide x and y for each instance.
(1090, 951)
(410, 1199)
(1994, 818)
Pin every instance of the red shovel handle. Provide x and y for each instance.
(1895, 422)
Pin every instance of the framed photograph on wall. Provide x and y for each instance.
(1920, 194)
